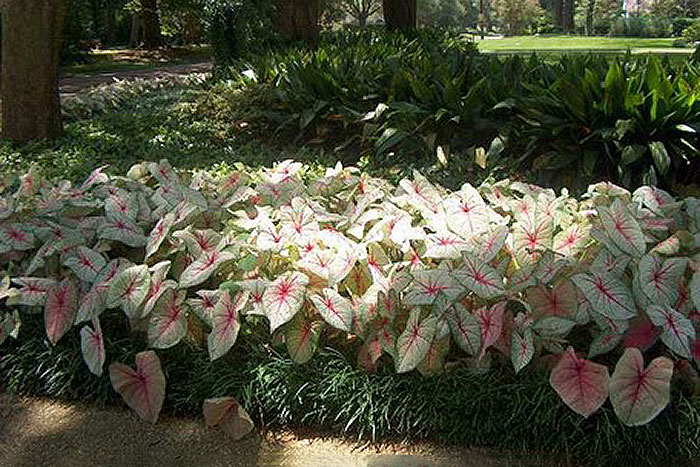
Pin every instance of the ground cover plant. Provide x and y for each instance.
(600, 293)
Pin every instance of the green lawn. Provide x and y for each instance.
(526, 44)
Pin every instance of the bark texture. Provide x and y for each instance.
(31, 44)
(152, 38)
(297, 19)
(400, 14)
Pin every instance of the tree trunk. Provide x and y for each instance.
(136, 33)
(567, 15)
(297, 19)
(590, 10)
(557, 10)
(31, 44)
(400, 14)
(110, 23)
(151, 24)
(97, 31)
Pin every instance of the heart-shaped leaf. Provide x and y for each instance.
(607, 295)
(639, 394)
(203, 268)
(283, 298)
(677, 330)
(335, 309)
(302, 338)
(225, 323)
(465, 329)
(413, 344)
(142, 389)
(85, 263)
(60, 309)
(581, 384)
(479, 277)
(129, 290)
(168, 323)
(227, 413)
(92, 347)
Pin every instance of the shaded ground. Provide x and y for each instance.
(72, 84)
(36, 432)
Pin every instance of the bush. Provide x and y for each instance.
(238, 28)
(692, 32)
(641, 26)
(411, 275)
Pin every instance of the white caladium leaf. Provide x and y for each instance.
(284, 297)
(143, 390)
(122, 205)
(581, 384)
(612, 264)
(298, 222)
(467, 213)
(553, 326)
(434, 360)
(622, 228)
(256, 287)
(85, 263)
(607, 295)
(660, 279)
(572, 240)
(532, 236)
(334, 309)
(302, 337)
(427, 285)
(677, 330)
(561, 300)
(413, 344)
(17, 236)
(159, 284)
(522, 279)
(93, 347)
(656, 199)
(444, 245)
(203, 268)
(479, 277)
(695, 289)
(490, 321)
(227, 413)
(639, 394)
(32, 292)
(60, 308)
(123, 230)
(225, 323)
(465, 329)
(421, 194)
(168, 322)
(129, 290)
(199, 242)
(203, 306)
(490, 243)
(96, 177)
(604, 343)
(522, 349)
(158, 234)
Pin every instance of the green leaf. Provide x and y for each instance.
(660, 156)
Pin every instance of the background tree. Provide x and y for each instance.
(360, 10)
(297, 19)
(400, 14)
(447, 13)
(152, 37)
(516, 15)
(31, 45)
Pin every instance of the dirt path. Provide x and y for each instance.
(74, 83)
(37, 432)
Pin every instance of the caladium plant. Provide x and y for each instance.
(409, 273)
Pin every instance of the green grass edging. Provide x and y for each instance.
(489, 409)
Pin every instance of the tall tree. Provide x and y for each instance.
(151, 24)
(297, 19)
(31, 44)
(567, 15)
(400, 14)
(360, 10)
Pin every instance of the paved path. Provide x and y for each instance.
(73, 83)
(38, 432)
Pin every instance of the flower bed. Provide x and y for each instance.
(600, 293)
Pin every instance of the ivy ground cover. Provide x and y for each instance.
(601, 293)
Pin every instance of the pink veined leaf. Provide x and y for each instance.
(465, 329)
(203, 268)
(677, 330)
(570, 241)
(695, 289)
(413, 344)
(91, 304)
(554, 326)
(467, 214)
(204, 305)
(531, 236)
(335, 309)
(142, 389)
(561, 300)
(129, 290)
(479, 277)
(227, 413)
(159, 284)
(581, 384)
(421, 193)
(428, 284)
(487, 246)
(549, 267)
(522, 279)
(642, 336)
(434, 360)
(122, 205)
(491, 323)
(92, 347)
(284, 297)
(604, 343)
(639, 394)
(653, 198)
(302, 338)
(168, 323)
(164, 173)
(32, 292)
(298, 222)
(85, 263)
(444, 245)
(17, 236)
(60, 308)
(158, 234)
(225, 323)
(660, 279)
(622, 228)
(369, 353)
(123, 230)
(607, 295)
(199, 242)
(522, 349)
(609, 263)
(256, 287)
(96, 177)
